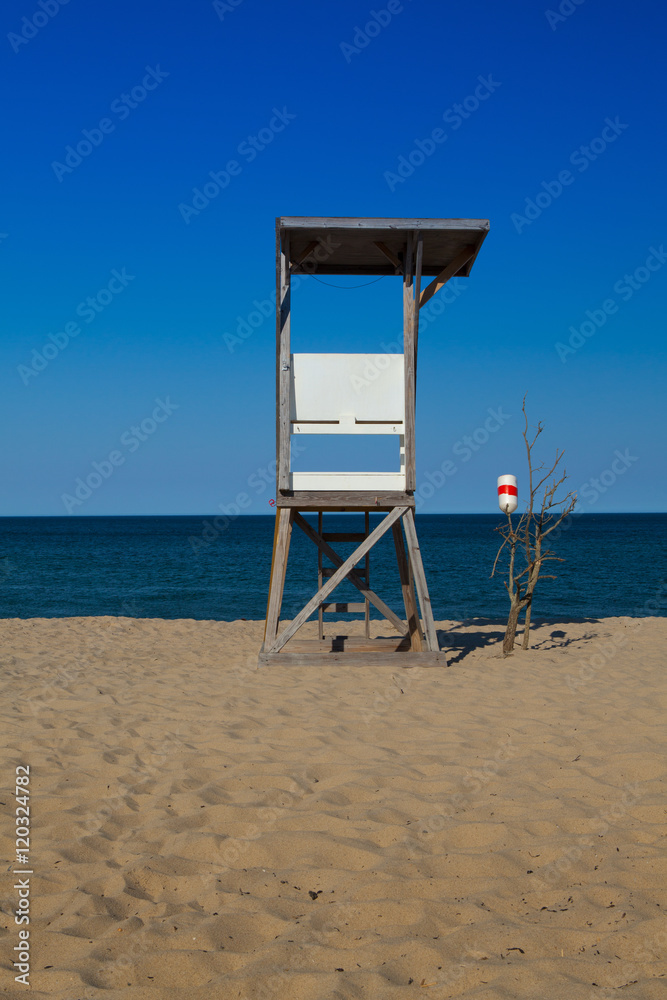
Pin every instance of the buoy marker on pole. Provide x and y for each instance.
(508, 495)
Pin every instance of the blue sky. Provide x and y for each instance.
(162, 96)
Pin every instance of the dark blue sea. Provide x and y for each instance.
(185, 567)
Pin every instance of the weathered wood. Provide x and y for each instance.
(299, 259)
(285, 518)
(330, 570)
(420, 581)
(367, 578)
(338, 576)
(355, 643)
(412, 247)
(354, 578)
(273, 563)
(419, 238)
(283, 350)
(346, 222)
(320, 577)
(390, 255)
(447, 273)
(334, 500)
(346, 607)
(350, 244)
(343, 536)
(411, 611)
(409, 366)
(388, 660)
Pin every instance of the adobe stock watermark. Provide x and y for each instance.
(378, 21)
(265, 308)
(249, 148)
(464, 449)
(222, 7)
(139, 781)
(130, 441)
(607, 650)
(122, 107)
(601, 825)
(258, 481)
(88, 310)
(648, 950)
(625, 288)
(594, 488)
(98, 643)
(470, 786)
(581, 158)
(454, 117)
(31, 26)
(447, 295)
(565, 9)
(597, 486)
(233, 848)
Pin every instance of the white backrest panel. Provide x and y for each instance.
(365, 387)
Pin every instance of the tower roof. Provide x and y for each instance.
(351, 246)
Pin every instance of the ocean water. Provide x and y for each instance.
(184, 567)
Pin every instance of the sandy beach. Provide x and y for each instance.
(201, 828)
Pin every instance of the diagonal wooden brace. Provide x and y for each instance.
(444, 276)
(337, 577)
(420, 582)
(390, 255)
(358, 582)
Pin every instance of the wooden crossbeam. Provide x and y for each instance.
(330, 570)
(346, 607)
(343, 536)
(353, 577)
(338, 577)
(390, 255)
(446, 273)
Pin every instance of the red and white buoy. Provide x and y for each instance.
(508, 495)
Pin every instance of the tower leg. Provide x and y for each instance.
(411, 610)
(420, 581)
(281, 540)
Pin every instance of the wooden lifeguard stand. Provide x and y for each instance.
(320, 394)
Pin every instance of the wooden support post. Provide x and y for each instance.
(284, 519)
(337, 578)
(320, 578)
(367, 567)
(354, 578)
(273, 563)
(419, 238)
(420, 581)
(409, 363)
(283, 359)
(411, 610)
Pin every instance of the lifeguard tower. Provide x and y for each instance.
(332, 394)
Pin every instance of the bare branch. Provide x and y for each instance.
(544, 512)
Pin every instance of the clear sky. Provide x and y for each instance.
(126, 295)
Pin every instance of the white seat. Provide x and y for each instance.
(348, 394)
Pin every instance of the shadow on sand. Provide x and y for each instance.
(544, 635)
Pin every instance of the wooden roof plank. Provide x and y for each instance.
(371, 246)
